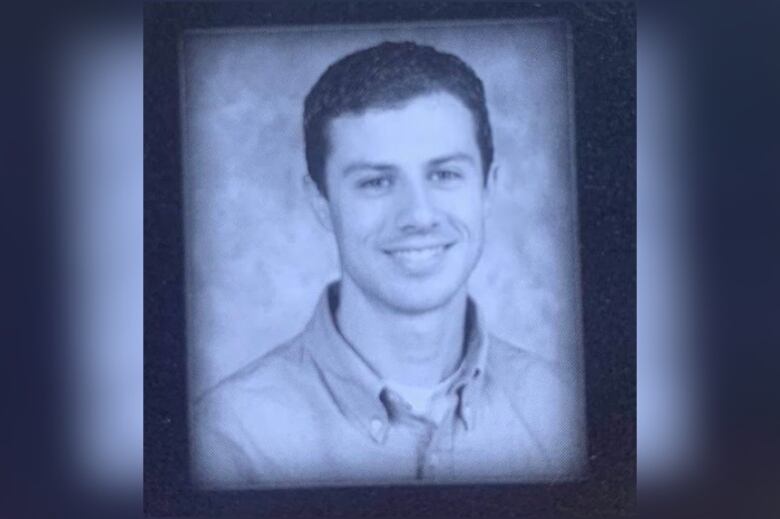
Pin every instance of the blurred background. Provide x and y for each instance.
(669, 378)
(102, 148)
(100, 75)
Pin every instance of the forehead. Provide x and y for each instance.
(425, 127)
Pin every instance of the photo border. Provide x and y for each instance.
(603, 64)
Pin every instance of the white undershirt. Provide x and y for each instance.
(421, 398)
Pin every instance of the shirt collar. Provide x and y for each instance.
(359, 391)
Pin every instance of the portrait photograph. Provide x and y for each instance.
(388, 250)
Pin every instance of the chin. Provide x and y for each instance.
(409, 299)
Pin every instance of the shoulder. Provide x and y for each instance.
(546, 396)
(267, 388)
(240, 426)
(521, 368)
(534, 383)
(268, 380)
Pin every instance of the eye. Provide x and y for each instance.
(375, 184)
(445, 175)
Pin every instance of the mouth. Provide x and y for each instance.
(418, 258)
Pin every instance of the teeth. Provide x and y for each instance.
(418, 254)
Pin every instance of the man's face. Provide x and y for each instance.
(407, 201)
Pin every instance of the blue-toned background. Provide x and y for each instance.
(256, 258)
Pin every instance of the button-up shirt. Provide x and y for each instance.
(313, 412)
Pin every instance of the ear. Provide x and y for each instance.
(319, 204)
(491, 188)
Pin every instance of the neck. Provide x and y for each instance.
(415, 349)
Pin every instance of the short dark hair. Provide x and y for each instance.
(387, 75)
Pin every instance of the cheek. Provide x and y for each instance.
(360, 221)
(467, 212)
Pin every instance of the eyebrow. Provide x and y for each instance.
(463, 157)
(386, 168)
(357, 166)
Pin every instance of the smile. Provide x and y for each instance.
(417, 259)
(417, 254)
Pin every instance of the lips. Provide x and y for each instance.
(418, 258)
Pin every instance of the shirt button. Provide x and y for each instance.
(376, 426)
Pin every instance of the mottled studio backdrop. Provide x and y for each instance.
(257, 259)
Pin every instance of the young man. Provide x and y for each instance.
(394, 379)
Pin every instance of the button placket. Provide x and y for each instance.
(433, 464)
(378, 429)
(438, 456)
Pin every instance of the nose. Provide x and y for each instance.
(416, 211)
